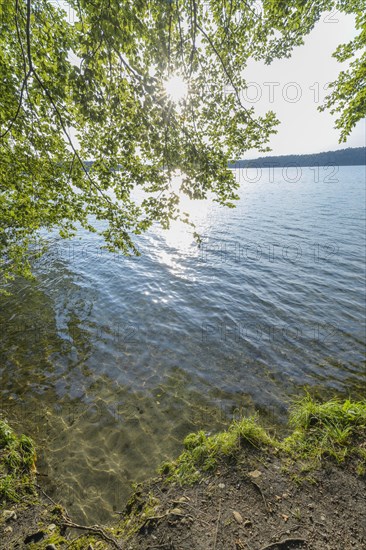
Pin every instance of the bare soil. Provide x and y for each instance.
(252, 503)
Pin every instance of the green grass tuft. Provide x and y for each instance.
(334, 429)
(17, 464)
(202, 452)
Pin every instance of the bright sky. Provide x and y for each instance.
(298, 89)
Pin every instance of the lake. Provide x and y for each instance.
(108, 362)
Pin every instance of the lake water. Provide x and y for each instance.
(108, 362)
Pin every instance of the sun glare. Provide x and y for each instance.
(176, 88)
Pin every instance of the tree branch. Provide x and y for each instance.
(92, 529)
(195, 26)
(181, 39)
(32, 70)
(27, 30)
(57, 111)
(228, 75)
(12, 122)
(19, 36)
(26, 73)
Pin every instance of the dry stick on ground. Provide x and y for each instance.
(49, 498)
(260, 492)
(217, 525)
(67, 522)
(92, 529)
(283, 543)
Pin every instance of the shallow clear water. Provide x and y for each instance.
(109, 361)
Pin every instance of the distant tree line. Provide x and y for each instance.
(354, 156)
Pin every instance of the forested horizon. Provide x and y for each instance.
(351, 156)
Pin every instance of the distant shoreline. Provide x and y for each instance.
(355, 156)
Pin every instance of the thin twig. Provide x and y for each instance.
(283, 543)
(19, 36)
(195, 27)
(27, 30)
(181, 39)
(169, 38)
(12, 122)
(217, 53)
(261, 493)
(92, 182)
(71, 167)
(217, 526)
(48, 497)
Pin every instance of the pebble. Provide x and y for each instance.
(177, 512)
(237, 517)
(221, 485)
(8, 529)
(255, 474)
(51, 547)
(52, 527)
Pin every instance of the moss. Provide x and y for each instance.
(17, 465)
(80, 543)
(54, 538)
(203, 452)
(84, 541)
(57, 512)
(140, 509)
(334, 429)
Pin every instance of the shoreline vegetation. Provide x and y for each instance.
(242, 488)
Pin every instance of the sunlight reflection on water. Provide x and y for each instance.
(110, 361)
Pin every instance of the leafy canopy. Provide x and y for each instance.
(88, 83)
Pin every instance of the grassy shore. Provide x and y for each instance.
(246, 468)
(332, 429)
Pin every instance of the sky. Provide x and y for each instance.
(295, 88)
